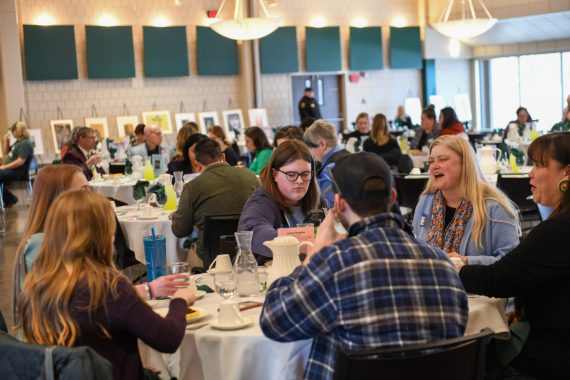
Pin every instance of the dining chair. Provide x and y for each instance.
(409, 189)
(216, 226)
(517, 188)
(460, 358)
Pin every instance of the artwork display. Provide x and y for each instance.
(413, 108)
(160, 118)
(207, 119)
(61, 132)
(438, 102)
(126, 125)
(181, 118)
(233, 123)
(37, 142)
(100, 125)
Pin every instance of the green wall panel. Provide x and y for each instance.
(405, 48)
(217, 55)
(323, 49)
(50, 52)
(428, 79)
(278, 51)
(165, 51)
(366, 48)
(110, 52)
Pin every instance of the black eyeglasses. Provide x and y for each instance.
(292, 176)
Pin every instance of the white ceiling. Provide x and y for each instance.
(543, 27)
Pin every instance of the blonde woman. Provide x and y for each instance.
(18, 157)
(74, 296)
(178, 164)
(381, 142)
(362, 128)
(459, 211)
(216, 133)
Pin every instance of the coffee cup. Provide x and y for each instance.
(229, 314)
(148, 211)
(223, 263)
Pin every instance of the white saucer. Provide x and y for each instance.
(203, 313)
(213, 271)
(246, 321)
(147, 217)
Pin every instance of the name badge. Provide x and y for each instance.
(423, 220)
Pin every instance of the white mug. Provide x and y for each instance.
(223, 263)
(148, 211)
(229, 314)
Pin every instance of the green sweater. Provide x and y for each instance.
(261, 159)
(220, 189)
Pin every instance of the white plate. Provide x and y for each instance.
(246, 321)
(163, 311)
(147, 217)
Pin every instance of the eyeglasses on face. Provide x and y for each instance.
(292, 176)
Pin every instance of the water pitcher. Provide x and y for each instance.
(246, 266)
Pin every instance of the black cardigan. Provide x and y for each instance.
(538, 270)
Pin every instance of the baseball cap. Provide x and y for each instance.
(351, 172)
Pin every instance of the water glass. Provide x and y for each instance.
(179, 268)
(225, 284)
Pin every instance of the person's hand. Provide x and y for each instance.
(93, 160)
(240, 164)
(326, 235)
(458, 264)
(165, 286)
(186, 294)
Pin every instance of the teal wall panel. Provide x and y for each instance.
(366, 48)
(217, 55)
(50, 52)
(405, 48)
(165, 51)
(110, 52)
(323, 49)
(278, 51)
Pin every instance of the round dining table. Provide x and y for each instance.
(120, 189)
(207, 353)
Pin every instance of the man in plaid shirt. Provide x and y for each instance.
(378, 287)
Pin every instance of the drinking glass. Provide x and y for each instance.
(225, 284)
(179, 268)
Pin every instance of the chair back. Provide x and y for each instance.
(518, 190)
(216, 226)
(409, 189)
(453, 359)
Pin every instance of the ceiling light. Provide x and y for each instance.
(45, 19)
(245, 28)
(465, 27)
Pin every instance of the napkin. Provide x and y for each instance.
(158, 189)
(205, 288)
(138, 189)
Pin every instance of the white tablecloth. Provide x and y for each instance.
(210, 354)
(119, 189)
(136, 229)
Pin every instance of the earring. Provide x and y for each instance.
(563, 185)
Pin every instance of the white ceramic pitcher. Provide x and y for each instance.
(488, 159)
(285, 256)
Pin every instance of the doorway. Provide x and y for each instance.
(328, 93)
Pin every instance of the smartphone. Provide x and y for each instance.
(246, 305)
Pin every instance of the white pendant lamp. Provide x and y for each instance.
(466, 27)
(245, 28)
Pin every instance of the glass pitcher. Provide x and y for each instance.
(245, 266)
(178, 183)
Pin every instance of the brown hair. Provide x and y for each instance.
(71, 256)
(187, 130)
(49, 183)
(259, 139)
(379, 131)
(284, 154)
(218, 131)
(553, 146)
(289, 132)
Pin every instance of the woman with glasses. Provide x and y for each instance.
(288, 192)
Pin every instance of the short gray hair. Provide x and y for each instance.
(321, 130)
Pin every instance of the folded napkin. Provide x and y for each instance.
(158, 189)
(138, 189)
(205, 288)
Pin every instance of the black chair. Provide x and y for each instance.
(409, 189)
(216, 226)
(453, 359)
(31, 169)
(517, 188)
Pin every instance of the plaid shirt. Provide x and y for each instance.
(380, 287)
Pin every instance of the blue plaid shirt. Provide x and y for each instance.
(380, 287)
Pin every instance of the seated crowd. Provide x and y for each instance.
(382, 283)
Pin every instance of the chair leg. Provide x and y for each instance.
(1, 198)
(29, 197)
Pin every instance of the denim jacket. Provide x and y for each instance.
(500, 234)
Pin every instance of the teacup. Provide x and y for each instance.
(223, 263)
(229, 314)
(148, 211)
(416, 171)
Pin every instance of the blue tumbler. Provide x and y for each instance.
(155, 256)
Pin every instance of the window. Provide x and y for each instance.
(539, 82)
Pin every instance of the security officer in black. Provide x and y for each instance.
(308, 106)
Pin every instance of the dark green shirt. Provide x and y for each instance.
(22, 148)
(220, 189)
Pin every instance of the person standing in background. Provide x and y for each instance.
(308, 106)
